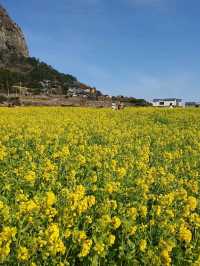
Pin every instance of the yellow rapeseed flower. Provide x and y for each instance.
(185, 234)
(192, 203)
(23, 254)
(99, 248)
(116, 222)
(111, 240)
(86, 246)
(30, 177)
(50, 198)
(142, 245)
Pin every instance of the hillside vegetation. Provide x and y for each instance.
(30, 71)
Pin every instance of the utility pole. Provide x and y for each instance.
(20, 86)
(8, 90)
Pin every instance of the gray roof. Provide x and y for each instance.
(192, 103)
(167, 100)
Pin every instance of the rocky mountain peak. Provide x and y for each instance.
(12, 41)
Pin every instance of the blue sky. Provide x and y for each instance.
(140, 48)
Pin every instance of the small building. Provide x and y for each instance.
(22, 91)
(114, 106)
(192, 104)
(75, 91)
(167, 102)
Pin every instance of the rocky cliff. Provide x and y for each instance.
(12, 41)
(17, 68)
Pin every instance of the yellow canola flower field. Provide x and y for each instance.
(99, 187)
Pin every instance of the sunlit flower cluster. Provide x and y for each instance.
(97, 187)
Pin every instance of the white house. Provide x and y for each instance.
(167, 102)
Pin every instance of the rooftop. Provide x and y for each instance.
(167, 100)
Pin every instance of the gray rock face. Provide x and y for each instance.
(12, 41)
